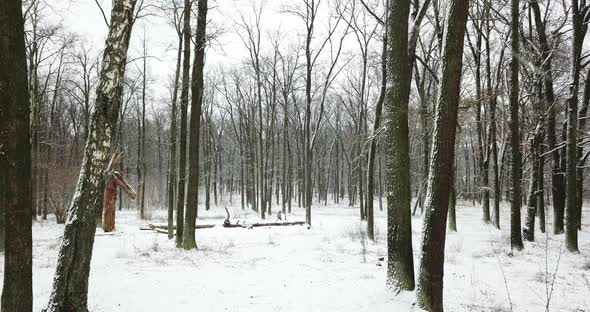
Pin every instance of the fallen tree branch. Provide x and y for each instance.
(164, 228)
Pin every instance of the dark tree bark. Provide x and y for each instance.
(579, 28)
(582, 115)
(186, 63)
(15, 162)
(516, 157)
(492, 137)
(452, 207)
(430, 282)
(197, 89)
(141, 167)
(172, 183)
(534, 193)
(70, 284)
(557, 180)
(400, 267)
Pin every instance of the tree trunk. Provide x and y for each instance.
(430, 282)
(172, 186)
(186, 63)
(531, 211)
(557, 181)
(579, 28)
(373, 148)
(452, 207)
(516, 158)
(15, 162)
(141, 164)
(108, 214)
(582, 115)
(492, 93)
(70, 285)
(400, 268)
(197, 89)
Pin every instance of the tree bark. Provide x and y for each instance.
(186, 63)
(15, 162)
(197, 89)
(532, 202)
(516, 157)
(172, 186)
(557, 180)
(452, 208)
(400, 268)
(582, 115)
(430, 282)
(114, 181)
(492, 93)
(70, 285)
(579, 28)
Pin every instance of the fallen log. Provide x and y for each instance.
(164, 228)
(260, 224)
(161, 231)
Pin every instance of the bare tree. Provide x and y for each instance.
(172, 184)
(70, 285)
(580, 20)
(440, 179)
(186, 63)
(400, 267)
(308, 15)
(197, 90)
(15, 162)
(515, 157)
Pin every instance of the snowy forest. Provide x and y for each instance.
(294, 155)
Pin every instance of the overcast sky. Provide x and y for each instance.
(84, 18)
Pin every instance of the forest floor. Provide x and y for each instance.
(330, 267)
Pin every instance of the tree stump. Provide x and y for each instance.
(114, 181)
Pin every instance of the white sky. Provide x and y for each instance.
(84, 18)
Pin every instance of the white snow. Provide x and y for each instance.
(331, 267)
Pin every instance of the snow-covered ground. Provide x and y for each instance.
(330, 267)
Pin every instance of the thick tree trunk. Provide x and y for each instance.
(516, 158)
(197, 89)
(579, 28)
(15, 162)
(186, 63)
(430, 282)
(557, 181)
(70, 285)
(400, 268)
